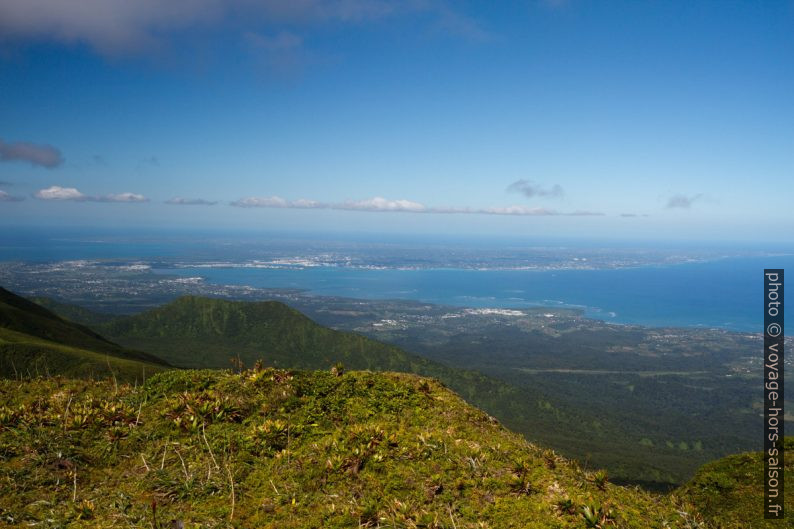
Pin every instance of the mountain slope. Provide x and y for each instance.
(36, 342)
(730, 491)
(202, 332)
(206, 333)
(74, 313)
(25, 356)
(23, 316)
(270, 448)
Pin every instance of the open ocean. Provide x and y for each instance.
(725, 293)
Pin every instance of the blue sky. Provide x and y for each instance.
(562, 118)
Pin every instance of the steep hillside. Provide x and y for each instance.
(74, 313)
(36, 342)
(23, 316)
(25, 356)
(209, 333)
(276, 449)
(202, 332)
(730, 491)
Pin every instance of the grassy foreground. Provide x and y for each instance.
(272, 448)
(730, 491)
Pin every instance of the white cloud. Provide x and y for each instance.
(303, 203)
(70, 193)
(380, 204)
(261, 202)
(59, 193)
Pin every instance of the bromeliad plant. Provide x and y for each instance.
(597, 516)
(270, 437)
(600, 478)
(190, 411)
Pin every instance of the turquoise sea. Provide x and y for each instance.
(725, 293)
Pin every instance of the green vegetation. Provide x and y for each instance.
(656, 399)
(584, 416)
(206, 333)
(23, 316)
(34, 342)
(730, 491)
(74, 313)
(25, 356)
(273, 448)
(200, 332)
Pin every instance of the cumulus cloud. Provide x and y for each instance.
(380, 204)
(59, 193)
(261, 202)
(117, 27)
(372, 204)
(72, 194)
(682, 201)
(303, 203)
(35, 154)
(5, 197)
(179, 201)
(530, 189)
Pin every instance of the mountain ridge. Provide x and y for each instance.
(295, 449)
(200, 332)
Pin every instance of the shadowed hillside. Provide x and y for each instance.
(203, 332)
(36, 342)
